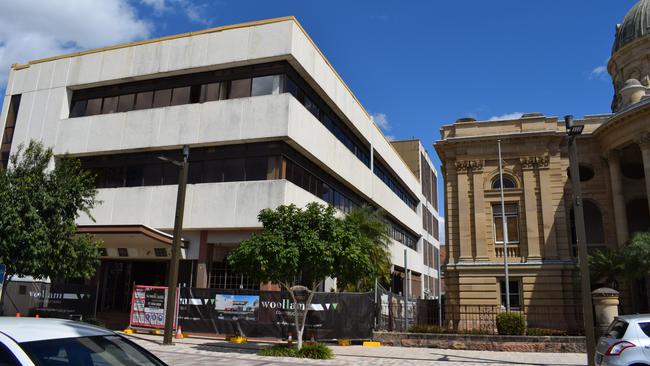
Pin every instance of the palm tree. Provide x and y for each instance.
(374, 236)
(607, 267)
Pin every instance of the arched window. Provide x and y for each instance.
(508, 182)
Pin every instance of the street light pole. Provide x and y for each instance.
(172, 279)
(504, 228)
(585, 284)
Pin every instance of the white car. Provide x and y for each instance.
(58, 342)
(627, 342)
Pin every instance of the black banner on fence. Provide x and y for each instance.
(270, 313)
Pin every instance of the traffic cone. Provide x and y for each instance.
(179, 333)
(18, 315)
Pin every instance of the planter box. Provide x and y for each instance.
(551, 344)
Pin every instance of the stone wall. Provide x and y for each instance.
(483, 342)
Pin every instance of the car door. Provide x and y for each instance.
(644, 338)
(11, 354)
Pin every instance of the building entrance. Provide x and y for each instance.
(116, 285)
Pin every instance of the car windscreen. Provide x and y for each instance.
(91, 351)
(617, 329)
(645, 327)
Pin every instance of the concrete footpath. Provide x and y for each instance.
(192, 351)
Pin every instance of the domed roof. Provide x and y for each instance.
(636, 24)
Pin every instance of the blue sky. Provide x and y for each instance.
(415, 65)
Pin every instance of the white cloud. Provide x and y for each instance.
(381, 120)
(159, 6)
(32, 29)
(192, 10)
(507, 116)
(599, 72)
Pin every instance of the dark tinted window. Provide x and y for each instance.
(170, 174)
(210, 92)
(125, 102)
(143, 100)
(213, 171)
(114, 177)
(6, 357)
(256, 168)
(240, 88)
(645, 327)
(134, 175)
(78, 108)
(181, 95)
(617, 329)
(233, 170)
(162, 98)
(265, 85)
(110, 105)
(94, 107)
(152, 174)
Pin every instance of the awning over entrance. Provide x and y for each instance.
(132, 241)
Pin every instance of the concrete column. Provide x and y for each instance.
(620, 218)
(644, 144)
(480, 245)
(464, 213)
(532, 219)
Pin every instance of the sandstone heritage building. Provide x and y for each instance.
(614, 153)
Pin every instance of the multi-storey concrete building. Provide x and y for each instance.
(268, 122)
(614, 152)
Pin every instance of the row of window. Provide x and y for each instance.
(309, 182)
(248, 162)
(200, 93)
(203, 87)
(429, 182)
(318, 108)
(430, 255)
(398, 233)
(134, 174)
(430, 223)
(394, 185)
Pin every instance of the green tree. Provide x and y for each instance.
(299, 248)
(38, 207)
(371, 241)
(607, 267)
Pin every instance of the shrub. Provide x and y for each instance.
(510, 323)
(279, 350)
(544, 332)
(316, 351)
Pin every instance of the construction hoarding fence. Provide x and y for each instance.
(271, 313)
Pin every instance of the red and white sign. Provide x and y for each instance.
(148, 307)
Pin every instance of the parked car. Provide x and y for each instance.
(627, 342)
(54, 342)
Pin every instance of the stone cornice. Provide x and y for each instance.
(469, 165)
(532, 162)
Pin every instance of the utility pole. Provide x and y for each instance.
(172, 279)
(406, 296)
(504, 227)
(587, 312)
